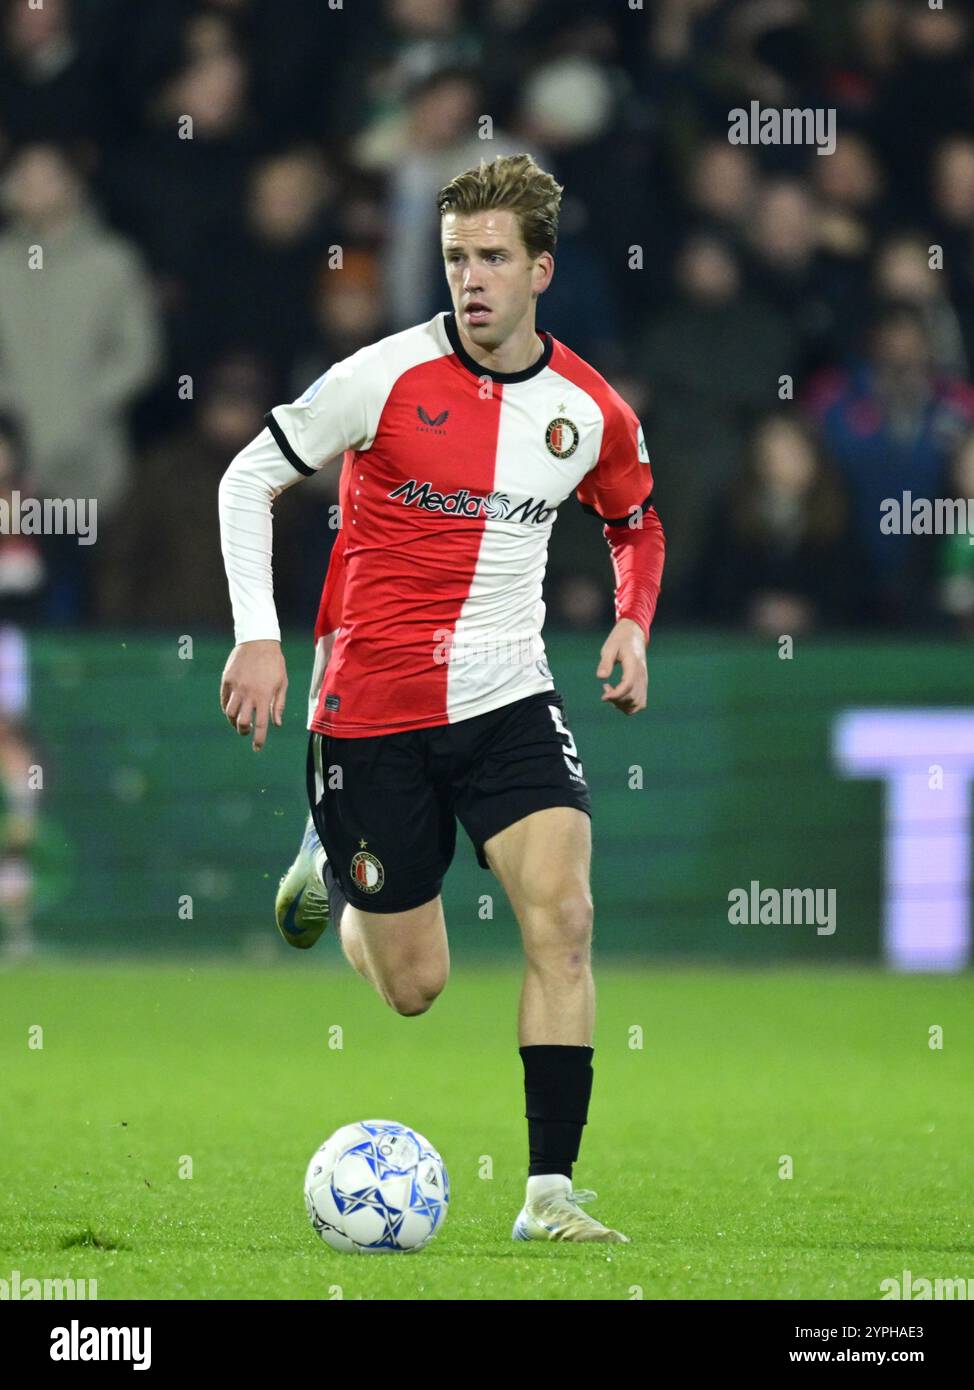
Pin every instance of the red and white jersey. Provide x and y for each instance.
(452, 477)
(329, 616)
(333, 590)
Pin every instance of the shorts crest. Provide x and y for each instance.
(367, 872)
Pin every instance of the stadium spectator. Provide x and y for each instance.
(179, 184)
(932, 83)
(48, 86)
(154, 571)
(288, 228)
(851, 188)
(235, 143)
(949, 559)
(346, 313)
(891, 421)
(953, 189)
(597, 144)
(902, 272)
(24, 559)
(858, 77)
(790, 269)
(778, 558)
(78, 335)
(952, 223)
(721, 187)
(411, 42)
(705, 390)
(439, 138)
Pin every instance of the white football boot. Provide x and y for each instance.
(552, 1212)
(301, 906)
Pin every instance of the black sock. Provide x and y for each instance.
(557, 1089)
(336, 899)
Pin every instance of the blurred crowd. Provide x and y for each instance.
(230, 195)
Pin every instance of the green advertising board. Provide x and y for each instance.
(161, 831)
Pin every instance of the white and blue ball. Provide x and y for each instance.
(376, 1187)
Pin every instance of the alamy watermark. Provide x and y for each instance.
(19, 1288)
(757, 906)
(765, 125)
(927, 516)
(50, 516)
(454, 647)
(77, 1343)
(921, 1289)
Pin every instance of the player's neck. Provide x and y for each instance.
(518, 352)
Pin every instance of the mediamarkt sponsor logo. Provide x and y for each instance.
(496, 506)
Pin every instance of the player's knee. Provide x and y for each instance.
(414, 995)
(409, 1002)
(560, 933)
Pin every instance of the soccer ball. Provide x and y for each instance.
(376, 1187)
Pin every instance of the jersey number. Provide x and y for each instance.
(571, 751)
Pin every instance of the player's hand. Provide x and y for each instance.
(253, 688)
(626, 643)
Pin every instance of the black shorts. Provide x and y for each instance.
(386, 807)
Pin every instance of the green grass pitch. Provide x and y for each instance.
(143, 1066)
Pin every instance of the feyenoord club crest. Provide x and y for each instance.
(368, 874)
(561, 437)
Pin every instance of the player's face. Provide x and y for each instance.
(493, 282)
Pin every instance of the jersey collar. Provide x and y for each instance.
(478, 369)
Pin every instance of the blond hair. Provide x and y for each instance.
(514, 182)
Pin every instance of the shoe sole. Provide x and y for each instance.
(610, 1237)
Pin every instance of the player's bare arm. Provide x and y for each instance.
(625, 645)
(253, 688)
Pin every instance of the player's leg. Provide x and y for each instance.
(405, 956)
(526, 808)
(543, 863)
(301, 905)
(387, 836)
